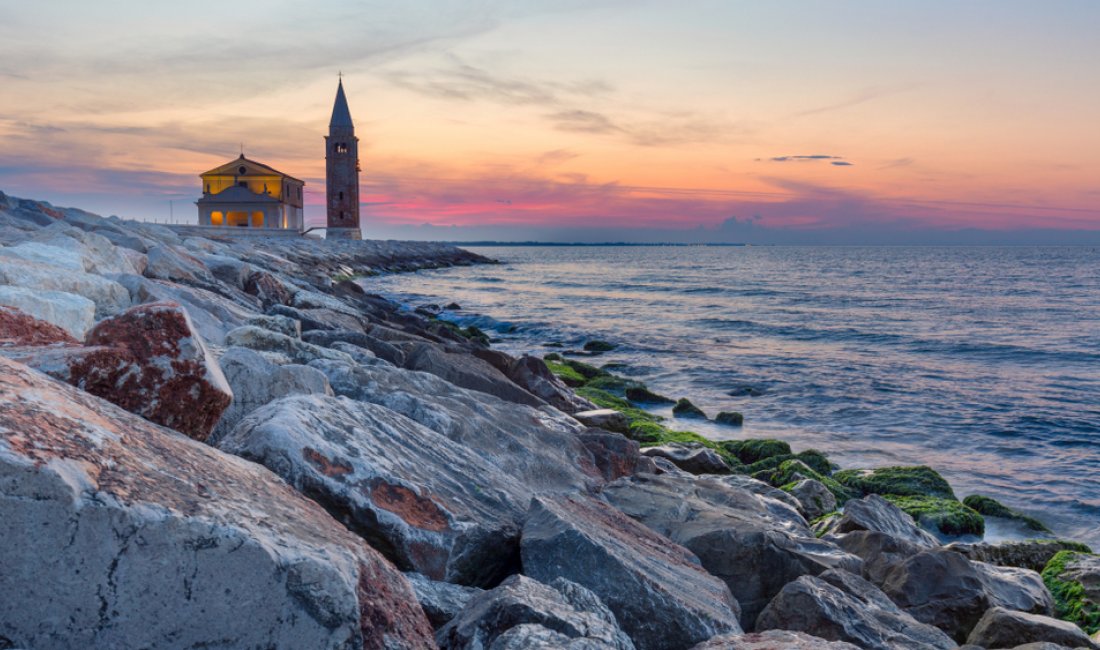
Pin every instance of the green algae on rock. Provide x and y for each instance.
(752, 450)
(915, 481)
(1065, 576)
(730, 418)
(990, 507)
(947, 517)
(599, 347)
(642, 395)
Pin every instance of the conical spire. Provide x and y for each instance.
(341, 115)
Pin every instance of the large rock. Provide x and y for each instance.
(149, 360)
(538, 447)
(659, 593)
(880, 552)
(466, 371)
(615, 455)
(441, 601)
(943, 588)
(118, 533)
(574, 616)
(175, 264)
(773, 640)
(429, 504)
(109, 297)
(382, 349)
(214, 315)
(840, 606)
(1003, 628)
(256, 381)
(753, 543)
(693, 458)
(20, 329)
(70, 312)
(1075, 579)
(531, 374)
(875, 513)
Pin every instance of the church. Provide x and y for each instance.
(247, 194)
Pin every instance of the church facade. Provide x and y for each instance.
(244, 193)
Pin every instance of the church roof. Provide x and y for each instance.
(238, 194)
(230, 169)
(341, 115)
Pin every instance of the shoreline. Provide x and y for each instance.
(310, 464)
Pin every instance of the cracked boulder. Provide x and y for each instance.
(755, 544)
(118, 533)
(773, 640)
(561, 614)
(659, 593)
(150, 361)
(428, 503)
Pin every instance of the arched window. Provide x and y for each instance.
(341, 196)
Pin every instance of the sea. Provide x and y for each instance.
(981, 362)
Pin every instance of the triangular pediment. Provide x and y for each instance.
(252, 168)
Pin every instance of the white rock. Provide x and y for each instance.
(109, 297)
(72, 313)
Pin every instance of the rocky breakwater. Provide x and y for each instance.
(247, 449)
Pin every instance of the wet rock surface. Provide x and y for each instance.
(1001, 628)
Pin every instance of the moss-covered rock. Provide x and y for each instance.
(569, 376)
(752, 450)
(730, 418)
(642, 395)
(791, 471)
(990, 507)
(946, 517)
(599, 347)
(916, 481)
(614, 384)
(685, 409)
(816, 460)
(1073, 601)
(585, 370)
(553, 356)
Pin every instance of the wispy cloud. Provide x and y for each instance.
(838, 161)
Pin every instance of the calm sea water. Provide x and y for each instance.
(981, 362)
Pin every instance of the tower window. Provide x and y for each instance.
(341, 196)
(341, 147)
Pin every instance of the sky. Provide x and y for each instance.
(778, 121)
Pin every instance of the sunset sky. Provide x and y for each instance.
(706, 119)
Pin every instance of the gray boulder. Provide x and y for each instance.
(466, 371)
(609, 419)
(943, 588)
(429, 504)
(256, 381)
(441, 601)
(118, 533)
(841, 606)
(872, 512)
(382, 349)
(880, 552)
(214, 315)
(531, 374)
(659, 593)
(280, 324)
(259, 338)
(773, 640)
(562, 613)
(814, 499)
(109, 296)
(615, 455)
(72, 313)
(1031, 554)
(753, 543)
(690, 457)
(1001, 628)
(537, 447)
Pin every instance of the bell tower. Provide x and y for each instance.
(342, 172)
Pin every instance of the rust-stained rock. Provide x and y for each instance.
(149, 360)
(18, 328)
(430, 504)
(118, 533)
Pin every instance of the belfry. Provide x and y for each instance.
(342, 172)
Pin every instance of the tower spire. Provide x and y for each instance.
(342, 170)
